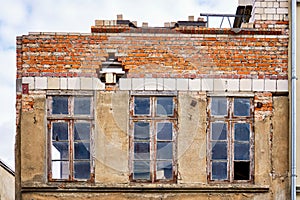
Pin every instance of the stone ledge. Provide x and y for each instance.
(209, 85)
(148, 189)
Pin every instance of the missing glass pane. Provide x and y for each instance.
(60, 169)
(141, 105)
(242, 132)
(141, 170)
(241, 107)
(82, 105)
(164, 150)
(164, 131)
(165, 106)
(219, 170)
(241, 170)
(82, 170)
(219, 150)
(218, 131)
(164, 170)
(60, 151)
(60, 131)
(82, 131)
(60, 105)
(219, 106)
(141, 131)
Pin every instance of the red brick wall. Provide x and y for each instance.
(212, 54)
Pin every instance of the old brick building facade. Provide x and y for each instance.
(177, 112)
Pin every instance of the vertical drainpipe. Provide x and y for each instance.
(293, 100)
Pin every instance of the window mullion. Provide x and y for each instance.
(231, 150)
(153, 150)
(71, 149)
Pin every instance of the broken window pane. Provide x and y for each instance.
(165, 106)
(219, 150)
(219, 170)
(82, 131)
(141, 131)
(60, 169)
(142, 105)
(219, 106)
(241, 151)
(141, 170)
(241, 170)
(60, 105)
(218, 131)
(242, 132)
(60, 151)
(82, 105)
(164, 150)
(164, 131)
(164, 170)
(82, 169)
(59, 131)
(81, 150)
(241, 107)
(142, 150)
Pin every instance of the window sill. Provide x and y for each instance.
(155, 188)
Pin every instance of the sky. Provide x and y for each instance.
(18, 17)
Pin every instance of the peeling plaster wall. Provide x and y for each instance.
(111, 138)
(111, 151)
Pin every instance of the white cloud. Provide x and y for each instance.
(18, 17)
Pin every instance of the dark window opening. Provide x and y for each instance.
(241, 170)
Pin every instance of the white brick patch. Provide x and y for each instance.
(282, 85)
(169, 84)
(220, 84)
(86, 83)
(245, 85)
(138, 84)
(194, 84)
(29, 81)
(159, 84)
(74, 83)
(41, 83)
(63, 83)
(125, 83)
(150, 84)
(270, 85)
(207, 84)
(182, 84)
(233, 85)
(53, 83)
(258, 85)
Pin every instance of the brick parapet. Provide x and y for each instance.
(155, 55)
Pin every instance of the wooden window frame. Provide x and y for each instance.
(230, 119)
(71, 119)
(153, 120)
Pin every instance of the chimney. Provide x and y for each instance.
(191, 18)
(145, 25)
(120, 17)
